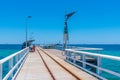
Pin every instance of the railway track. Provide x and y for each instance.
(55, 69)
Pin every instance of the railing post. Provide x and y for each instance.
(70, 56)
(74, 58)
(20, 55)
(98, 64)
(28, 50)
(16, 60)
(66, 54)
(84, 60)
(1, 72)
(11, 66)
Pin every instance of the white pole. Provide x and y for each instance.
(26, 29)
(1, 72)
(75, 58)
(98, 64)
(84, 60)
(11, 66)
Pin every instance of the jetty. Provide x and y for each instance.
(42, 65)
(52, 64)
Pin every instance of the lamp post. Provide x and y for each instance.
(27, 28)
(66, 36)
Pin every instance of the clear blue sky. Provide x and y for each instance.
(96, 21)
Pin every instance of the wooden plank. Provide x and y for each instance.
(33, 69)
(60, 54)
(58, 72)
(78, 72)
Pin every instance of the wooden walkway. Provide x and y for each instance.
(35, 69)
(60, 54)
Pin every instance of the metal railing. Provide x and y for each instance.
(10, 66)
(72, 57)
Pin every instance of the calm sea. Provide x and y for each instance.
(8, 49)
(108, 49)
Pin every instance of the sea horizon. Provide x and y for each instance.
(109, 49)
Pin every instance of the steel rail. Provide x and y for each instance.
(61, 65)
(46, 66)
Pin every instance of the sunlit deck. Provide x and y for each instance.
(35, 69)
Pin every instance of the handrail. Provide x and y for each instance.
(11, 56)
(10, 72)
(95, 54)
(71, 55)
(90, 49)
(15, 61)
(83, 48)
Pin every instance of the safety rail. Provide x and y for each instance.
(12, 64)
(72, 54)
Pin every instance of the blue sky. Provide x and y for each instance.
(96, 21)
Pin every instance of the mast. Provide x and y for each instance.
(66, 36)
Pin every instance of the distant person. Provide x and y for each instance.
(33, 48)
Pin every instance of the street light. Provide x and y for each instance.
(27, 28)
(66, 37)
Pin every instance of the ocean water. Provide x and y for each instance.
(8, 49)
(114, 50)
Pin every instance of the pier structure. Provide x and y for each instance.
(52, 64)
(83, 59)
(41, 65)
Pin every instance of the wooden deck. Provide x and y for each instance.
(34, 68)
(60, 54)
